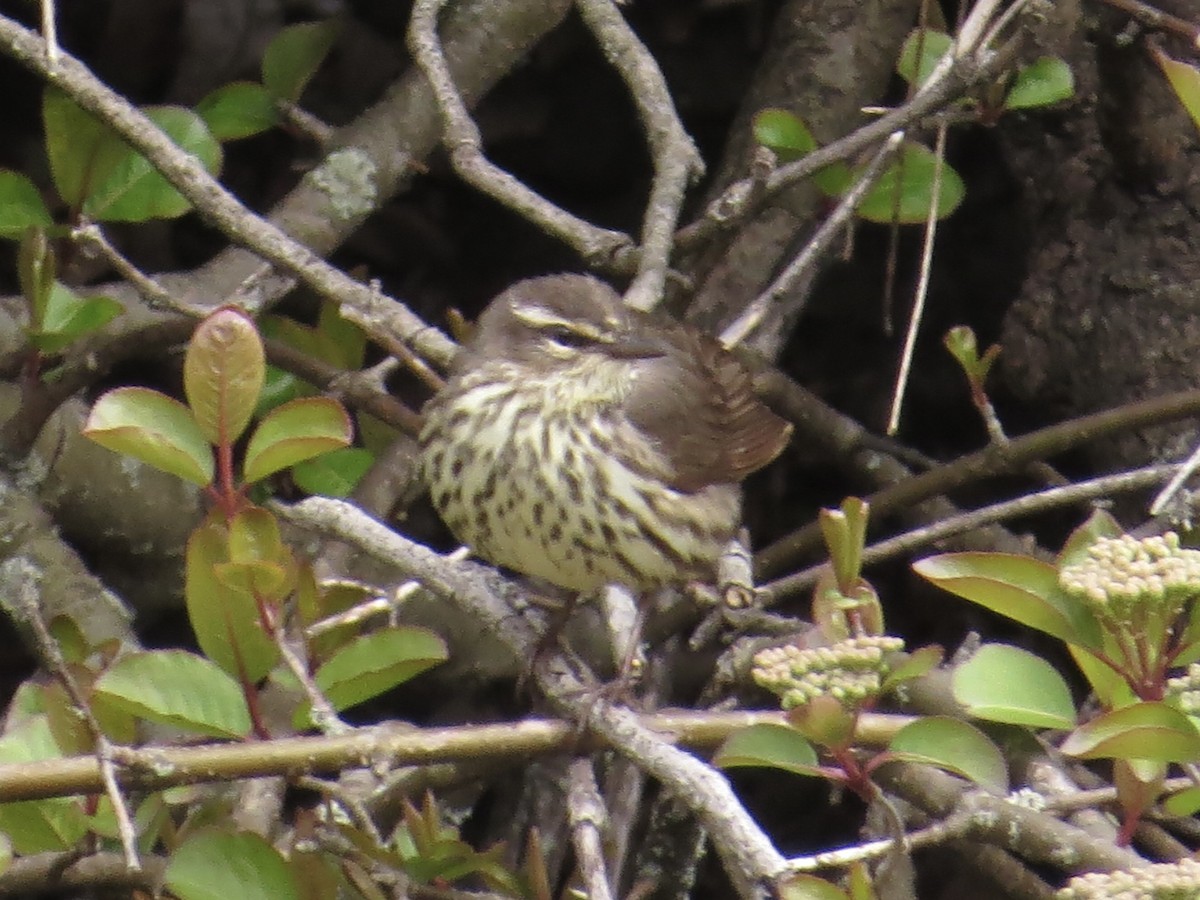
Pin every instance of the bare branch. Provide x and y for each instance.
(599, 247)
(588, 818)
(677, 162)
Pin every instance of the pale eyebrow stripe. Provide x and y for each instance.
(540, 317)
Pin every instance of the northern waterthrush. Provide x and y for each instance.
(585, 443)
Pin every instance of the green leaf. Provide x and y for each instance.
(1185, 82)
(920, 54)
(1153, 731)
(259, 563)
(216, 864)
(128, 189)
(333, 474)
(1006, 684)
(295, 54)
(71, 736)
(377, 662)
(1188, 641)
(802, 886)
(43, 826)
(21, 206)
(770, 746)
(335, 339)
(154, 428)
(343, 343)
(263, 580)
(70, 638)
(1184, 803)
(294, 432)
(254, 537)
(963, 346)
(910, 178)
(845, 533)
(918, 663)
(955, 746)
(1022, 588)
(239, 110)
(1042, 82)
(278, 388)
(784, 133)
(38, 826)
(177, 688)
(824, 721)
(69, 317)
(1100, 524)
(225, 618)
(788, 138)
(223, 374)
(73, 141)
(1110, 688)
(1139, 783)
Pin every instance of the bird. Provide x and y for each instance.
(584, 443)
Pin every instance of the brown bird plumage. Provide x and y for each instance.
(586, 443)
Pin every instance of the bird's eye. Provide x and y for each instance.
(568, 337)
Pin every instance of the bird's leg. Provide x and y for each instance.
(558, 606)
(625, 617)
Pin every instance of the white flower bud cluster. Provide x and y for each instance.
(1185, 690)
(1124, 573)
(1162, 881)
(850, 671)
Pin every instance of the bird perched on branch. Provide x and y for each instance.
(586, 443)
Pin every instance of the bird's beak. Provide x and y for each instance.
(638, 346)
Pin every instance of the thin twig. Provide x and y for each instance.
(588, 820)
(50, 34)
(360, 612)
(1052, 498)
(1153, 17)
(955, 826)
(322, 713)
(1003, 21)
(156, 296)
(305, 122)
(803, 268)
(378, 323)
(106, 753)
(677, 162)
(995, 459)
(972, 35)
(360, 389)
(922, 291)
(1167, 494)
(353, 807)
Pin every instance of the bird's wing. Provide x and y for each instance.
(699, 410)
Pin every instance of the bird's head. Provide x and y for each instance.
(563, 326)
